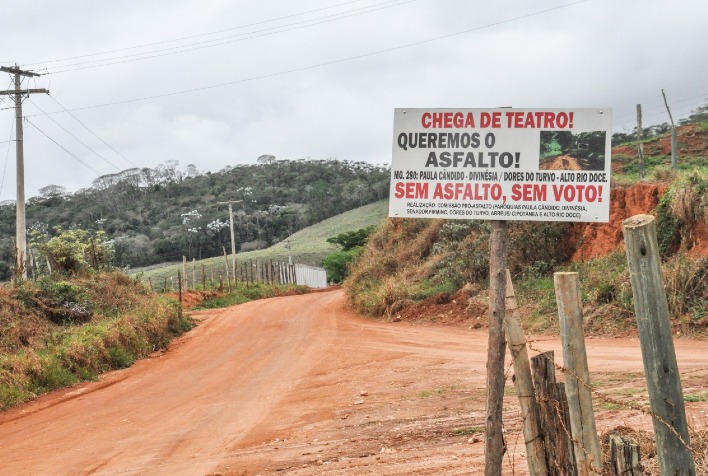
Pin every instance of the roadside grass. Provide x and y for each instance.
(438, 392)
(696, 397)
(253, 292)
(44, 350)
(468, 431)
(407, 261)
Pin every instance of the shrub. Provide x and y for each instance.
(337, 264)
(42, 350)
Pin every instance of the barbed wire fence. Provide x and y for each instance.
(558, 466)
(618, 455)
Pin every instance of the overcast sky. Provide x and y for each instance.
(216, 83)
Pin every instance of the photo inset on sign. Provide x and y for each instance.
(563, 150)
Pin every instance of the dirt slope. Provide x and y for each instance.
(591, 240)
(299, 385)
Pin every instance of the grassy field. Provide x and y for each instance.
(309, 245)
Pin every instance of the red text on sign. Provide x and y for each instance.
(577, 193)
(411, 190)
(528, 192)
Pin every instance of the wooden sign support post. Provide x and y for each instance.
(494, 442)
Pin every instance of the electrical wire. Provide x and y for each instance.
(329, 63)
(223, 41)
(92, 132)
(75, 138)
(64, 148)
(7, 156)
(200, 35)
(656, 113)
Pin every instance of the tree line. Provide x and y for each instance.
(150, 216)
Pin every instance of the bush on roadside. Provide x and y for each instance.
(43, 350)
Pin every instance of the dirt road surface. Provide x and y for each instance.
(563, 162)
(299, 385)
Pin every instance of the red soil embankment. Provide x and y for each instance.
(599, 239)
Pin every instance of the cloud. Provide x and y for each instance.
(593, 53)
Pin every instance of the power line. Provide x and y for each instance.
(64, 148)
(145, 45)
(661, 106)
(226, 40)
(92, 132)
(75, 138)
(657, 116)
(329, 63)
(7, 156)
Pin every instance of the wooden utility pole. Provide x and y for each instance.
(20, 226)
(494, 446)
(660, 368)
(226, 266)
(288, 246)
(673, 132)
(640, 145)
(233, 241)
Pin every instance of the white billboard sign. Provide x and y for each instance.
(502, 164)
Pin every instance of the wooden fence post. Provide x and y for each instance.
(535, 453)
(179, 282)
(588, 454)
(660, 367)
(624, 457)
(185, 285)
(494, 440)
(553, 412)
(203, 277)
(226, 263)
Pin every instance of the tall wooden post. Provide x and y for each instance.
(184, 285)
(640, 137)
(586, 446)
(660, 366)
(20, 224)
(673, 132)
(535, 453)
(494, 442)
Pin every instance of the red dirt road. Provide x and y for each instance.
(299, 385)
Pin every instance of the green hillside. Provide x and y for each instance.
(152, 216)
(309, 245)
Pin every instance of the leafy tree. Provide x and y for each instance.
(352, 239)
(352, 242)
(337, 264)
(699, 115)
(279, 197)
(73, 251)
